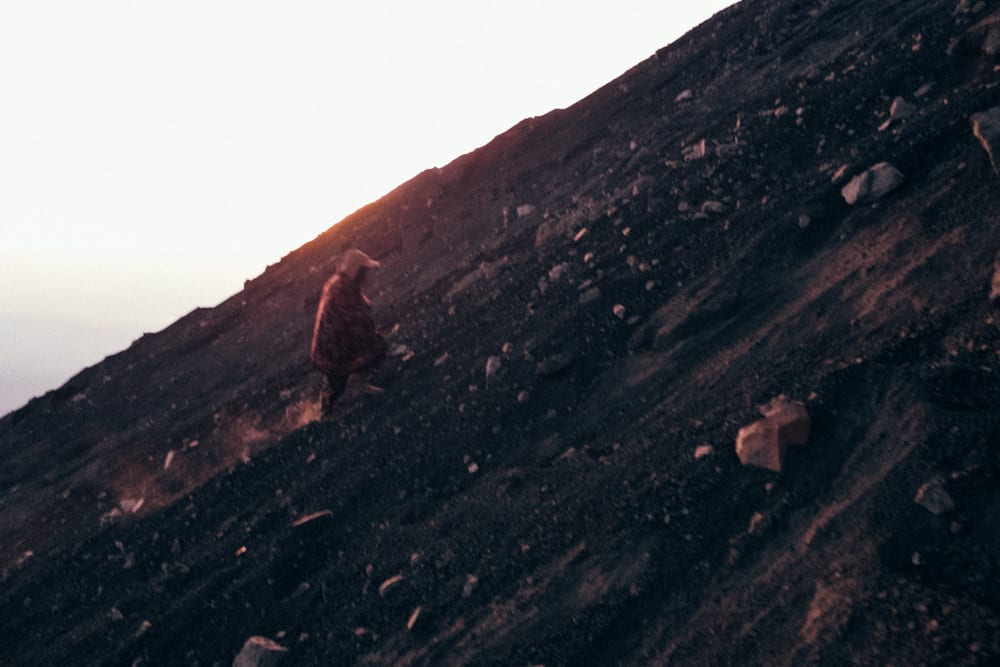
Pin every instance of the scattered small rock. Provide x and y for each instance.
(399, 350)
(713, 206)
(414, 618)
(619, 311)
(143, 629)
(684, 96)
(493, 364)
(523, 396)
(524, 210)
(933, 497)
(874, 183)
(758, 524)
(901, 110)
(701, 451)
(308, 518)
(695, 151)
(557, 272)
(471, 582)
(554, 365)
(168, 460)
(259, 652)
(804, 221)
(591, 295)
(389, 584)
(131, 506)
(986, 127)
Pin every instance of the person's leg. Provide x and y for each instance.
(337, 385)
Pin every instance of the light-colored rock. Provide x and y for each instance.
(389, 584)
(259, 652)
(493, 364)
(619, 311)
(701, 451)
(764, 442)
(874, 183)
(414, 618)
(986, 127)
(684, 95)
(524, 210)
(399, 350)
(558, 272)
(713, 206)
(933, 497)
(471, 582)
(695, 151)
(758, 524)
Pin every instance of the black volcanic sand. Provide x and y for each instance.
(555, 513)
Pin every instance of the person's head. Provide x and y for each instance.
(355, 265)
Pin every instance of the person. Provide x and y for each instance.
(345, 339)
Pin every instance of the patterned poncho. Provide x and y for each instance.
(345, 339)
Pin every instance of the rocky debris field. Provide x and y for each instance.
(704, 369)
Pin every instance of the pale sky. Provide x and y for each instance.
(154, 154)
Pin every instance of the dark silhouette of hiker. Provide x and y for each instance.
(345, 340)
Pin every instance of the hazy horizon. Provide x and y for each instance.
(159, 155)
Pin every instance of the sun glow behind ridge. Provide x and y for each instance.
(157, 154)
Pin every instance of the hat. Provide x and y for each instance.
(353, 260)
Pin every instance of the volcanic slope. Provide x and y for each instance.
(648, 266)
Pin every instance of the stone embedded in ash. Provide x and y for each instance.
(493, 365)
(591, 295)
(986, 127)
(901, 109)
(701, 451)
(713, 206)
(874, 183)
(389, 584)
(414, 618)
(695, 151)
(684, 95)
(399, 350)
(995, 287)
(259, 652)
(933, 497)
(764, 442)
(554, 365)
(524, 210)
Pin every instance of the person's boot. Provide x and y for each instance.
(361, 384)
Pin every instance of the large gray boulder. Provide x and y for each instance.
(872, 184)
(764, 442)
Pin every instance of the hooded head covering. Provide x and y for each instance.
(353, 261)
